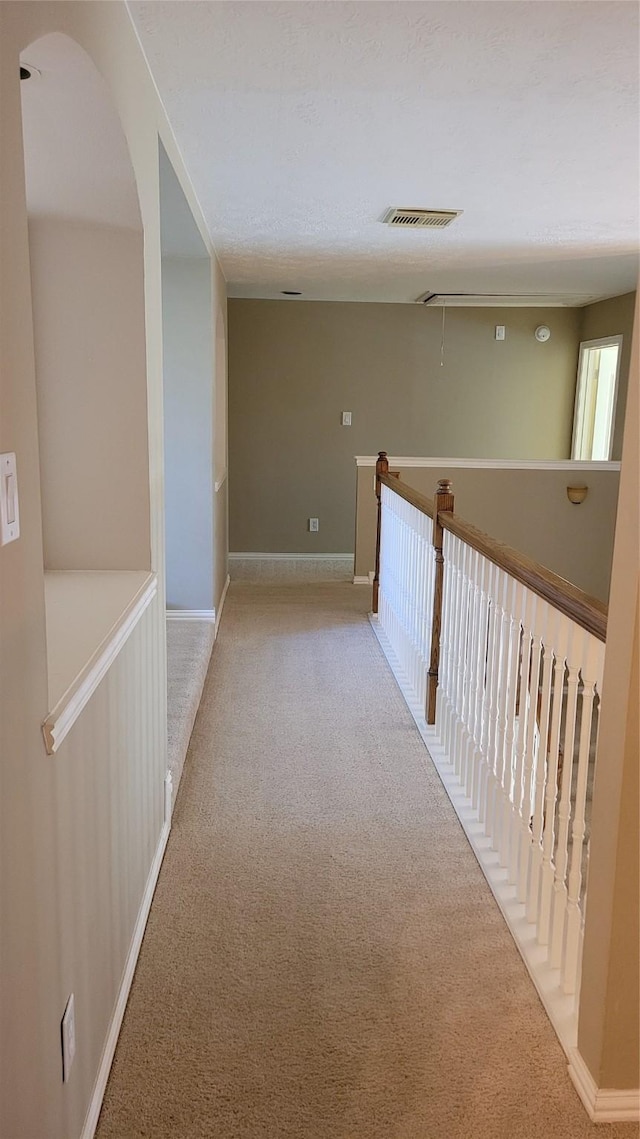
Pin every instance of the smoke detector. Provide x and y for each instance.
(419, 219)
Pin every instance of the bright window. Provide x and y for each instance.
(596, 391)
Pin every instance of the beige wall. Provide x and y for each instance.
(78, 830)
(527, 509)
(295, 366)
(221, 483)
(609, 1022)
(613, 317)
(188, 431)
(91, 391)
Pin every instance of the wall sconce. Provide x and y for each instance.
(577, 494)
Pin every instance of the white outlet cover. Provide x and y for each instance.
(314, 525)
(346, 419)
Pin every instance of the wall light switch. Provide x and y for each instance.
(500, 331)
(346, 419)
(9, 512)
(313, 525)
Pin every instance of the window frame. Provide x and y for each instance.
(585, 347)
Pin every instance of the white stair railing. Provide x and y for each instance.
(518, 656)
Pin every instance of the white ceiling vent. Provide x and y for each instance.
(420, 219)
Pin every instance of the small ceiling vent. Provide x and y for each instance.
(420, 219)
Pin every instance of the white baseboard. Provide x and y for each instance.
(361, 580)
(223, 598)
(242, 557)
(191, 615)
(604, 1105)
(91, 1121)
(296, 569)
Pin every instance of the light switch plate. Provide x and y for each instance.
(500, 331)
(9, 510)
(346, 419)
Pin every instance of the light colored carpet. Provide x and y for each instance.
(189, 645)
(323, 958)
(290, 570)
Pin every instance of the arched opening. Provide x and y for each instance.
(87, 274)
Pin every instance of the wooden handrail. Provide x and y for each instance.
(420, 501)
(585, 610)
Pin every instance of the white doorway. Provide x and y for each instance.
(596, 392)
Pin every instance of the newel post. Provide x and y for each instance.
(382, 468)
(443, 500)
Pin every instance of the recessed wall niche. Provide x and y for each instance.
(87, 278)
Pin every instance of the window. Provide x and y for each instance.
(596, 391)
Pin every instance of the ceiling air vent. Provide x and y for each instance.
(420, 219)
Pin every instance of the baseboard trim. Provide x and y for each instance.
(93, 1113)
(191, 615)
(238, 557)
(223, 598)
(603, 1105)
(361, 580)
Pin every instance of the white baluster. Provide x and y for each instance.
(482, 648)
(564, 810)
(591, 678)
(456, 627)
(546, 630)
(497, 807)
(512, 674)
(448, 596)
(463, 662)
(531, 751)
(522, 710)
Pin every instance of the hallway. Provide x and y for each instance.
(324, 959)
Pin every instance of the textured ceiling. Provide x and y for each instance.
(301, 122)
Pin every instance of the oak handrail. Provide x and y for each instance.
(420, 501)
(568, 599)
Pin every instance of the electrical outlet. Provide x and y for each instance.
(314, 525)
(68, 1032)
(346, 419)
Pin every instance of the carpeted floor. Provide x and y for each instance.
(323, 958)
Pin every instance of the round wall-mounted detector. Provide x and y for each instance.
(542, 333)
(291, 293)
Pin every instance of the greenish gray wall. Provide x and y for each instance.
(294, 366)
(613, 317)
